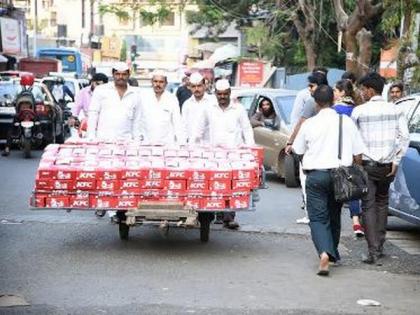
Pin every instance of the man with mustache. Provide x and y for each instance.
(160, 122)
(115, 108)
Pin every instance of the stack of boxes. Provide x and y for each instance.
(94, 175)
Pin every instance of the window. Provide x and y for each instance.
(169, 20)
(414, 123)
(285, 105)
(246, 101)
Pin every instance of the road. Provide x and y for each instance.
(74, 263)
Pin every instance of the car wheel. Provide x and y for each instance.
(291, 171)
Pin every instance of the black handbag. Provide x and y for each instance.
(350, 182)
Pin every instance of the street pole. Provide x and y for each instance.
(35, 27)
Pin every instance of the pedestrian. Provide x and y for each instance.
(396, 92)
(195, 105)
(184, 92)
(115, 108)
(344, 104)
(384, 130)
(84, 97)
(348, 75)
(317, 141)
(228, 125)
(161, 121)
(308, 110)
(60, 90)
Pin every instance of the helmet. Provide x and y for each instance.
(25, 97)
(59, 80)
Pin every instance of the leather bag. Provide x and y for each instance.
(350, 182)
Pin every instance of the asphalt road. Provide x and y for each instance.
(74, 263)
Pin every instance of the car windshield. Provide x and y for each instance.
(7, 92)
(414, 123)
(285, 106)
(10, 91)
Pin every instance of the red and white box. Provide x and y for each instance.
(201, 174)
(57, 202)
(176, 184)
(194, 203)
(178, 174)
(109, 174)
(39, 200)
(223, 185)
(80, 201)
(150, 194)
(151, 183)
(108, 185)
(43, 184)
(244, 174)
(47, 172)
(210, 203)
(130, 184)
(86, 173)
(197, 185)
(103, 202)
(220, 174)
(89, 184)
(156, 173)
(127, 202)
(243, 184)
(134, 173)
(68, 173)
(240, 202)
(63, 184)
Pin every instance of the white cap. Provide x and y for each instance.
(196, 78)
(120, 66)
(222, 85)
(159, 73)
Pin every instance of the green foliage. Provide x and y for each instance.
(123, 53)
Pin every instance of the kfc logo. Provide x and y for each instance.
(87, 175)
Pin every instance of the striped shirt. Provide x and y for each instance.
(383, 129)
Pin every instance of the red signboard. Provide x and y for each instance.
(251, 73)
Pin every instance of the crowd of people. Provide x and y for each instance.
(375, 135)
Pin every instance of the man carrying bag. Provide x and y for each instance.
(318, 142)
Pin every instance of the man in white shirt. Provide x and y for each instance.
(228, 125)
(226, 121)
(384, 130)
(317, 141)
(115, 108)
(195, 105)
(161, 122)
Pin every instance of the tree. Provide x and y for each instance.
(357, 39)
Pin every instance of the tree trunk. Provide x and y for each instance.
(364, 40)
(311, 54)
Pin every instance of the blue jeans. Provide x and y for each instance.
(354, 207)
(324, 213)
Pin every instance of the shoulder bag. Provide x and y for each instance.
(350, 182)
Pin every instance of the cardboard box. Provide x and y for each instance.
(86, 173)
(151, 183)
(130, 184)
(103, 202)
(176, 184)
(200, 174)
(223, 185)
(242, 184)
(239, 202)
(197, 185)
(244, 174)
(89, 184)
(63, 184)
(178, 174)
(57, 202)
(39, 200)
(220, 174)
(112, 185)
(80, 202)
(156, 173)
(43, 184)
(152, 194)
(194, 203)
(127, 202)
(214, 203)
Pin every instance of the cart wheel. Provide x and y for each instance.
(124, 228)
(205, 220)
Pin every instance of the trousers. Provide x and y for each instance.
(375, 207)
(324, 213)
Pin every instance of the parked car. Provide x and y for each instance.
(404, 197)
(273, 141)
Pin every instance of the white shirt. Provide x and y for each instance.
(229, 127)
(192, 110)
(317, 140)
(161, 119)
(301, 98)
(384, 130)
(112, 117)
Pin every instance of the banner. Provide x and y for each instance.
(251, 73)
(10, 38)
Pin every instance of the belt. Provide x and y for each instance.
(374, 163)
(325, 170)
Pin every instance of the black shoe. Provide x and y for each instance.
(232, 225)
(369, 259)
